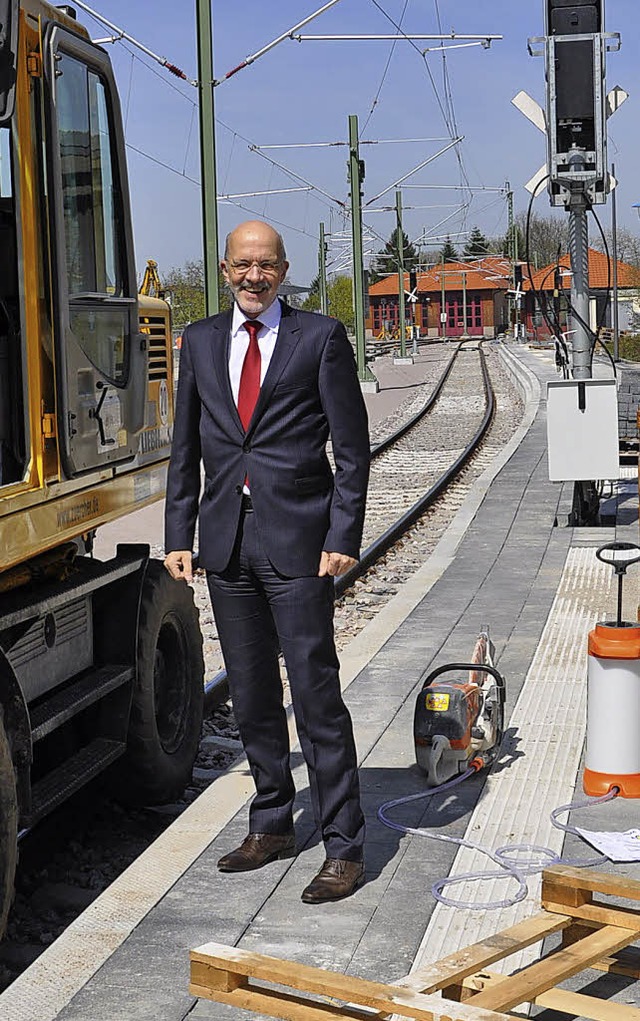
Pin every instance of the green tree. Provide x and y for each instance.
(386, 261)
(448, 252)
(340, 295)
(184, 288)
(312, 302)
(477, 245)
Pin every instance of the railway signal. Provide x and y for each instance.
(574, 122)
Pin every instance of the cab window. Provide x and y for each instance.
(94, 249)
(12, 433)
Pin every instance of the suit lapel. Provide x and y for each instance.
(288, 337)
(220, 342)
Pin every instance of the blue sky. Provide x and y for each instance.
(304, 92)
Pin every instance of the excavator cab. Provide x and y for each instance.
(12, 425)
(100, 354)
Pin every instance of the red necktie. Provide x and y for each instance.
(250, 377)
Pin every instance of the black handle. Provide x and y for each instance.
(459, 667)
(619, 566)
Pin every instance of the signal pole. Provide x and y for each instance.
(208, 156)
(513, 256)
(579, 253)
(404, 358)
(575, 123)
(322, 272)
(368, 381)
(614, 255)
(443, 301)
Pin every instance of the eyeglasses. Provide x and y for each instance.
(265, 266)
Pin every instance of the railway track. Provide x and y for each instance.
(413, 466)
(74, 855)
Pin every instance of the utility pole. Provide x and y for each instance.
(368, 381)
(404, 359)
(208, 155)
(322, 273)
(464, 303)
(443, 302)
(513, 256)
(579, 253)
(614, 252)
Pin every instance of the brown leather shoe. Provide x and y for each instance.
(336, 879)
(258, 849)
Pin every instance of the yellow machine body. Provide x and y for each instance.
(71, 464)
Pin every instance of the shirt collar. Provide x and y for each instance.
(270, 317)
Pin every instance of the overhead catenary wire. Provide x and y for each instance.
(448, 119)
(275, 42)
(384, 73)
(327, 145)
(141, 152)
(121, 34)
(292, 173)
(478, 40)
(414, 170)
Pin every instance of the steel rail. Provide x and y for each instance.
(380, 545)
(216, 690)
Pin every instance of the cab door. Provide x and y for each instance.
(101, 361)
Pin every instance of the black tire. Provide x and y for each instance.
(166, 710)
(8, 829)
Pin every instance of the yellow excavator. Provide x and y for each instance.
(100, 661)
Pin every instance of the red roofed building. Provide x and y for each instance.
(559, 275)
(446, 288)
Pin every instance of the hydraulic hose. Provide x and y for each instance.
(505, 857)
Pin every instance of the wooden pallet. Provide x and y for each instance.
(595, 934)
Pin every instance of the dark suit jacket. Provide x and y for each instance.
(310, 391)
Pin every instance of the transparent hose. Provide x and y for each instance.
(539, 857)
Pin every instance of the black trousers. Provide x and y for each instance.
(258, 611)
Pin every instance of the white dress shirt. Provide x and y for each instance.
(239, 345)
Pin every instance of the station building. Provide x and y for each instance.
(443, 292)
(557, 277)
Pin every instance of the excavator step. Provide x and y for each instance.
(58, 785)
(88, 687)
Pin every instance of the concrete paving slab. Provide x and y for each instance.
(506, 572)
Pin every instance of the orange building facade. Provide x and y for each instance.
(444, 293)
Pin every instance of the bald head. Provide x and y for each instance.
(255, 231)
(254, 266)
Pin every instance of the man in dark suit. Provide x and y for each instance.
(261, 390)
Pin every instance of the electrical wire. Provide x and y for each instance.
(445, 117)
(384, 73)
(562, 352)
(194, 106)
(607, 302)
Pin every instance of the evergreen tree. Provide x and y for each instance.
(386, 260)
(477, 245)
(448, 252)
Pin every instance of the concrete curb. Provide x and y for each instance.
(42, 991)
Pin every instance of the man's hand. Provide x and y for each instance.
(335, 564)
(179, 564)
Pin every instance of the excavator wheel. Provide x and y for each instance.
(166, 712)
(8, 828)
